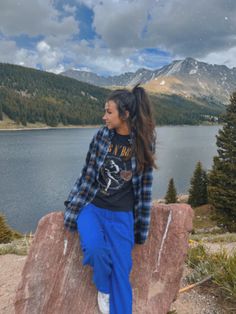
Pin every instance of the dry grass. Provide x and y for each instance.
(220, 265)
(18, 246)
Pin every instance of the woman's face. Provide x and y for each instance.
(112, 118)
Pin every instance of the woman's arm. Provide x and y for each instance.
(78, 182)
(146, 198)
(77, 196)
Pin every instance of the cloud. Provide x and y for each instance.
(7, 50)
(69, 9)
(100, 59)
(226, 57)
(33, 18)
(182, 27)
(123, 26)
(195, 29)
(123, 35)
(11, 54)
(46, 29)
(48, 58)
(120, 24)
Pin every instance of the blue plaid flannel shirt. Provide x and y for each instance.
(86, 187)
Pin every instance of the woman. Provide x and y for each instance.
(110, 202)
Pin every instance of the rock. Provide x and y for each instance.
(207, 230)
(182, 198)
(160, 201)
(54, 281)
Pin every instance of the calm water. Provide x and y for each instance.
(38, 168)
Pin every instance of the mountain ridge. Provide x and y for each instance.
(196, 78)
(34, 96)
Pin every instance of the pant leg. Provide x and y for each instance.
(96, 252)
(120, 236)
(107, 239)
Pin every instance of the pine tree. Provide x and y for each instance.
(6, 234)
(222, 177)
(171, 193)
(198, 188)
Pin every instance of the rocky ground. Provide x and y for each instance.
(198, 300)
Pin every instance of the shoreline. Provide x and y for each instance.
(30, 128)
(49, 128)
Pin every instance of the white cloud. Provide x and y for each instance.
(124, 28)
(182, 27)
(82, 69)
(50, 58)
(33, 18)
(11, 54)
(7, 50)
(226, 57)
(193, 28)
(69, 9)
(42, 46)
(99, 58)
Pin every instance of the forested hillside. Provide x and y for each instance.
(176, 109)
(29, 95)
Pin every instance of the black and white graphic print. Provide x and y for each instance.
(113, 175)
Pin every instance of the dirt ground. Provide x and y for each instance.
(194, 301)
(191, 302)
(11, 266)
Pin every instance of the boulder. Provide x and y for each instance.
(54, 281)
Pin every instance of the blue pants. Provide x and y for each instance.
(107, 240)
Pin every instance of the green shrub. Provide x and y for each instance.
(225, 273)
(220, 265)
(196, 255)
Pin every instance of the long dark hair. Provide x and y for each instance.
(140, 121)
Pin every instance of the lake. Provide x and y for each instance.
(39, 167)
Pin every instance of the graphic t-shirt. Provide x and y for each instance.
(115, 177)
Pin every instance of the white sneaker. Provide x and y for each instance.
(103, 302)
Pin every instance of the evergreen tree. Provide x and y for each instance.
(222, 177)
(6, 234)
(198, 188)
(171, 193)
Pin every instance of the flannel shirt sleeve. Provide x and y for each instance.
(78, 182)
(71, 211)
(146, 195)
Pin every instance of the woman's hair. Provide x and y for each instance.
(140, 121)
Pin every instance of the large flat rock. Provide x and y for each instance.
(54, 281)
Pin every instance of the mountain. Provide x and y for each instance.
(29, 96)
(125, 79)
(187, 78)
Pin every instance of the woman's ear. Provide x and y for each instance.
(126, 114)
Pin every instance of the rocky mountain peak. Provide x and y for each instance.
(194, 78)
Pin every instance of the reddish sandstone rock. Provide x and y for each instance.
(55, 282)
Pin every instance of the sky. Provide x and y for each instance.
(111, 37)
